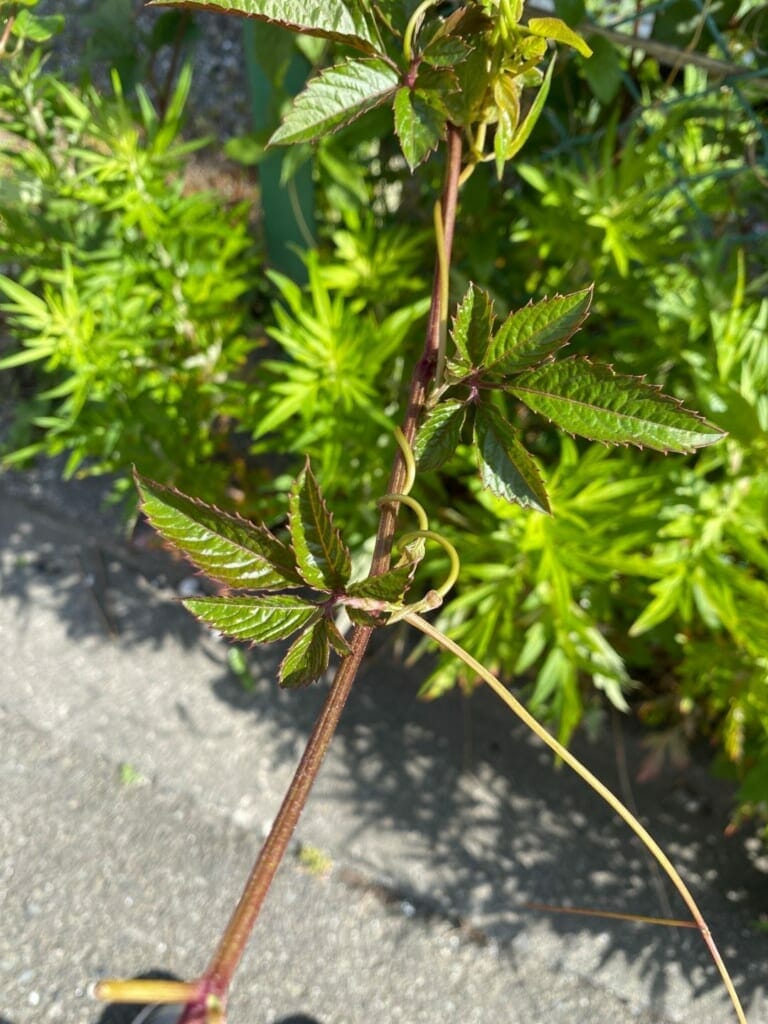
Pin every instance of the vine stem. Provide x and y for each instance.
(591, 780)
(218, 975)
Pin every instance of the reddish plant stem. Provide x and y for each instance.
(425, 368)
(233, 942)
(234, 939)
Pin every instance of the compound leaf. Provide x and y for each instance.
(307, 657)
(506, 468)
(335, 98)
(262, 620)
(323, 557)
(473, 325)
(532, 333)
(439, 434)
(228, 548)
(596, 403)
(342, 20)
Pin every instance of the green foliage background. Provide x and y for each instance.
(648, 587)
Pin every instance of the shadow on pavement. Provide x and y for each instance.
(460, 789)
(467, 811)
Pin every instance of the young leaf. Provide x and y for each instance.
(342, 20)
(323, 557)
(307, 657)
(419, 126)
(262, 620)
(439, 434)
(389, 586)
(506, 94)
(530, 334)
(596, 403)
(226, 547)
(335, 98)
(523, 132)
(506, 468)
(473, 325)
(559, 32)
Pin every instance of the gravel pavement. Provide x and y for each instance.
(138, 776)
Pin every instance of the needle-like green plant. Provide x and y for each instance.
(471, 83)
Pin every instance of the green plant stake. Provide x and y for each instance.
(287, 205)
(461, 83)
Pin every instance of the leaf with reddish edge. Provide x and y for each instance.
(418, 125)
(307, 658)
(439, 434)
(389, 587)
(337, 640)
(506, 468)
(345, 21)
(335, 98)
(262, 619)
(239, 553)
(536, 331)
(473, 325)
(322, 556)
(595, 402)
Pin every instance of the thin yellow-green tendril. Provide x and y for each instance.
(408, 459)
(455, 566)
(591, 780)
(417, 507)
(442, 269)
(413, 27)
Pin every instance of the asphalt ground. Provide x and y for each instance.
(138, 776)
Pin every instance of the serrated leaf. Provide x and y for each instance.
(228, 548)
(446, 52)
(262, 620)
(473, 325)
(418, 125)
(336, 97)
(390, 586)
(536, 331)
(307, 657)
(336, 639)
(506, 468)
(596, 403)
(322, 556)
(439, 434)
(559, 32)
(342, 20)
(363, 617)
